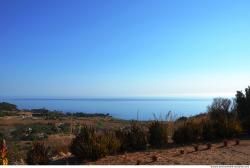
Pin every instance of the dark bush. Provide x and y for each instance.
(111, 142)
(38, 154)
(132, 138)
(158, 134)
(222, 121)
(189, 132)
(219, 109)
(88, 145)
(243, 108)
(208, 130)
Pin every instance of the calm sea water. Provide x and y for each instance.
(120, 108)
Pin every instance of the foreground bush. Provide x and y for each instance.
(132, 138)
(111, 142)
(88, 145)
(243, 108)
(188, 132)
(38, 154)
(222, 121)
(158, 134)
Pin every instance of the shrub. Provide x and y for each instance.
(226, 128)
(38, 154)
(158, 134)
(219, 109)
(243, 108)
(187, 133)
(132, 138)
(111, 142)
(89, 145)
(222, 121)
(208, 131)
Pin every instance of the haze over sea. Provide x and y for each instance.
(123, 108)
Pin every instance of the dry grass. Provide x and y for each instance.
(59, 144)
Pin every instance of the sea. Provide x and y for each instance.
(121, 108)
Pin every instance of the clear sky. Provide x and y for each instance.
(113, 48)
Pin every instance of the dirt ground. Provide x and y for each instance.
(217, 155)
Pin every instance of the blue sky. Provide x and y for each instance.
(116, 48)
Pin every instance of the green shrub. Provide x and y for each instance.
(233, 128)
(132, 138)
(189, 132)
(38, 154)
(158, 134)
(111, 142)
(88, 145)
(243, 108)
(222, 121)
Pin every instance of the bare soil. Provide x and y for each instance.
(217, 155)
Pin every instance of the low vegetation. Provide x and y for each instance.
(158, 134)
(220, 123)
(33, 132)
(38, 154)
(89, 145)
(243, 108)
(133, 137)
